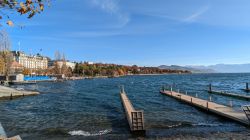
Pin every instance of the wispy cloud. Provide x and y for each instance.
(112, 7)
(38, 38)
(183, 16)
(197, 14)
(84, 34)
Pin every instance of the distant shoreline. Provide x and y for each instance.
(156, 74)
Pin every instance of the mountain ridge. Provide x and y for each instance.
(217, 68)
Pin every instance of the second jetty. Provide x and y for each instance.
(223, 93)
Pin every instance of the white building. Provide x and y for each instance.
(60, 63)
(67, 63)
(30, 62)
(90, 63)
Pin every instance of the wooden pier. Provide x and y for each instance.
(218, 109)
(135, 118)
(11, 93)
(223, 93)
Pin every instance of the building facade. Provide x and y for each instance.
(60, 63)
(30, 61)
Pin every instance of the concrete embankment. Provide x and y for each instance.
(11, 93)
(2, 132)
(3, 135)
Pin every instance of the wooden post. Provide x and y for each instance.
(247, 87)
(191, 100)
(231, 103)
(11, 97)
(122, 89)
(210, 88)
(207, 105)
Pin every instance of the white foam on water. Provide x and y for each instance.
(175, 125)
(206, 124)
(88, 134)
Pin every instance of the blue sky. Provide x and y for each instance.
(142, 32)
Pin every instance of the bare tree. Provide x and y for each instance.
(60, 64)
(64, 67)
(57, 56)
(63, 57)
(5, 54)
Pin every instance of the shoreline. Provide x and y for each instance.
(158, 74)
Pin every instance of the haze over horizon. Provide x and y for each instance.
(142, 32)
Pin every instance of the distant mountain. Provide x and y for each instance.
(227, 68)
(218, 68)
(193, 70)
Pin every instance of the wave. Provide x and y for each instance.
(175, 125)
(88, 134)
(206, 124)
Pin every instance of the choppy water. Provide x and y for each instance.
(91, 109)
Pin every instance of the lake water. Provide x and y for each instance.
(92, 109)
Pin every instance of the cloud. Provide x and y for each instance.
(196, 14)
(38, 38)
(112, 7)
(190, 14)
(84, 34)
